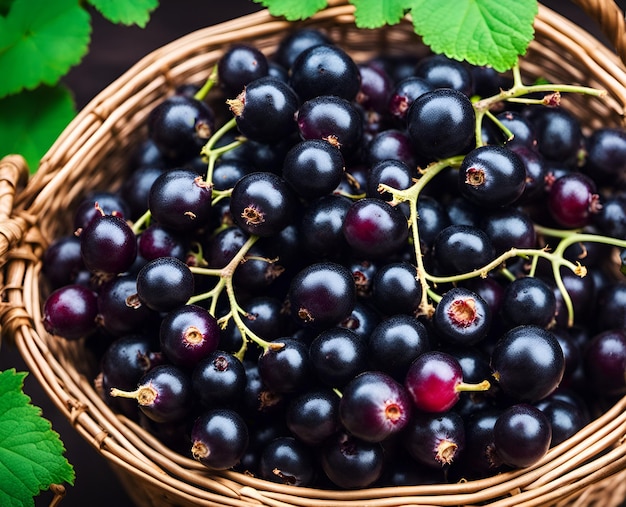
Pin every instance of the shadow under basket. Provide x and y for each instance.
(93, 152)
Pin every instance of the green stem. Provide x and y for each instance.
(518, 90)
(411, 195)
(207, 86)
(142, 222)
(554, 258)
(507, 132)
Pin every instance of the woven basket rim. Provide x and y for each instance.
(566, 470)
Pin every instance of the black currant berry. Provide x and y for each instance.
(441, 123)
(219, 438)
(442, 72)
(374, 406)
(181, 200)
(294, 43)
(333, 119)
(70, 311)
(188, 334)
(605, 362)
(322, 294)
(120, 311)
(374, 228)
(313, 168)
(492, 176)
(265, 110)
(285, 368)
(180, 126)
(164, 284)
(435, 440)
(462, 248)
(528, 363)
(351, 463)
(262, 203)
(395, 343)
(522, 435)
(163, 394)
(238, 66)
(325, 69)
(528, 300)
(286, 460)
(462, 317)
(338, 355)
(108, 245)
(313, 416)
(396, 289)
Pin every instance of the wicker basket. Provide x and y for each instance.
(587, 469)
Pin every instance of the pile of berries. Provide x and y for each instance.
(346, 274)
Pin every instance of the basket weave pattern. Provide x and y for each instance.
(92, 153)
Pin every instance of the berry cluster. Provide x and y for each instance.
(344, 274)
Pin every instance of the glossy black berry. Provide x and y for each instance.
(333, 119)
(396, 289)
(286, 367)
(62, 261)
(509, 227)
(108, 245)
(70, 311)
(180, 199)
(313, 416)
(286, 460)
(265, 110)
(351, 463)
(219, 438)
(120, 311)
(559, 134)
(492, 176)
(528, 300)
(522, 435)
(158, 241)
(321, 227)
(188, 334)
(262, 203)
(374, 228)
(462, 317)
(435, 440)
(164, 284)
(404, 93)
(313, 168)
(180, 126)
(294, 43)
(396, 342)
(528, 363)
(322, 294)
(325, 69)
(238, 66)
(338, 355)
(462, 248)
(374, 406)
(605, 362)
(441, 123)
(163, 393)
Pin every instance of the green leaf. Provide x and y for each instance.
(31, 121)
(31, 453)
(5, 5)
(40, 40)
(293, 10)
(369, 14)
(127, 12)
(483, 32)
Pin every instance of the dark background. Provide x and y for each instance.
(114, 49)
